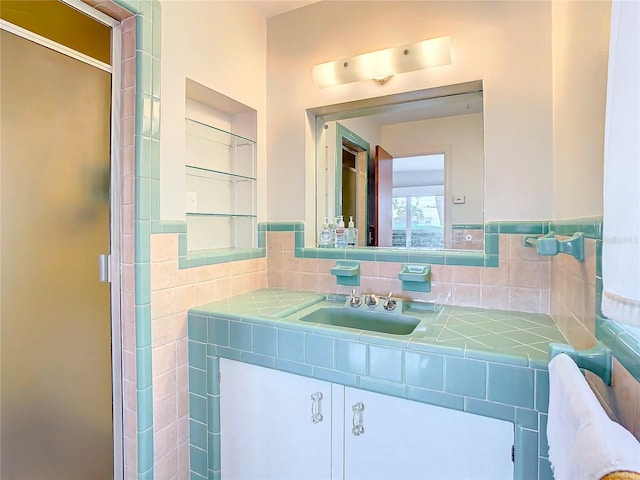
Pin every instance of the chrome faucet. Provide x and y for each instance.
(354, 299)
(389, 303)
(371, 300)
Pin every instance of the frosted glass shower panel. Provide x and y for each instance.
(221, 189)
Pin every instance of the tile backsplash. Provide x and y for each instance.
(520, 282)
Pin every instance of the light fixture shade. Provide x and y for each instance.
(383, 63)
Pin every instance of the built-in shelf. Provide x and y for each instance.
(220, 170)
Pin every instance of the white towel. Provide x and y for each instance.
(584, 444)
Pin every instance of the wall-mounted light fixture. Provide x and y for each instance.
(383, 64)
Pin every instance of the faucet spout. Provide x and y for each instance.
(354, 299)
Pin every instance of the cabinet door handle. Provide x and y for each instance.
(316, 407)
(358, 428)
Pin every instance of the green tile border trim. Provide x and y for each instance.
(148, 18)
(470, 226)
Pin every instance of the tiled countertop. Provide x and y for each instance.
(486, 362)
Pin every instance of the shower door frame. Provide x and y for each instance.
(113, 258)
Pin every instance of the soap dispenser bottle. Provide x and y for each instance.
(324, 239)
(340, 235)
(352, 234)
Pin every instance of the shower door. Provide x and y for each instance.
(56, 373)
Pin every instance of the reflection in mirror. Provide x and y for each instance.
(409, 171)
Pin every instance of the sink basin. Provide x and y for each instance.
(361, 319)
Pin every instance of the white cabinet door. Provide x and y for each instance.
(266, 425)
(402, 439)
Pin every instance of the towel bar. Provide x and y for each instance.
(597, 359)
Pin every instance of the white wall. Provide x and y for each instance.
(460, 138)
(580, 55)
(506, 44)
(221, 45)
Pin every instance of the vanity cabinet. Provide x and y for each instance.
(268, 431)
(389, 438)
(220, 188)
(271, 427)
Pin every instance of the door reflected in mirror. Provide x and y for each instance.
(409, 171)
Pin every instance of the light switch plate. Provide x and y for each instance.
(458, 199)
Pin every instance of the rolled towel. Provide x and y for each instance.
(584, 443)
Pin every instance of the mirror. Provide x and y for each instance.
(408, 168)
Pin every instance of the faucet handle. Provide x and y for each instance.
(389, 303)
(371, 300)
(355, 300)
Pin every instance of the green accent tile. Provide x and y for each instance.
(281, 226)
(498, 356)
(385, 363)
(627, 350)
(264, 340)
(213, 368)
(143, 157)
(198, 434)
(197, 327)
(309, 253)
(198, 460)
(214, 447)
(213, 414)
(197, 476)
(143, 367)
(361, 254)
(197, 381)
(154, 202)
(148, 475)
(294, 367)
(143, 116)
(427, 345)
(435, 258)
(467, 226)
(386, 388)
(543, 442)
(464, 259)
(351, 357)
(298, 226)
(143, 326)
(142, 249)
(145, 450)
(197, 354)
(155, 119)
(491, 244)
(392, 256)
(132, 5)
(229, 353)
(198, 408)
(439, 399)
(542, 390)
(145, 413)
(291, 345)
(262, 239)
(527, 418)
(490, 409)
(143, 199)
(424, 370)
(511, 385)
(299, 239)
(544, 469)
(156, 227)
(533, 228)
(331, 253)
(146, 9)
(335, 376)
(156, 18)
(465, 377)
(492, 261)
(492, 227)
(319, 350)
(144, 41)
(240, 336)
(260, 360)
(526, 453)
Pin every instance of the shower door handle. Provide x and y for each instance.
(104, 274)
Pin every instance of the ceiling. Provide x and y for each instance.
(271, 8)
